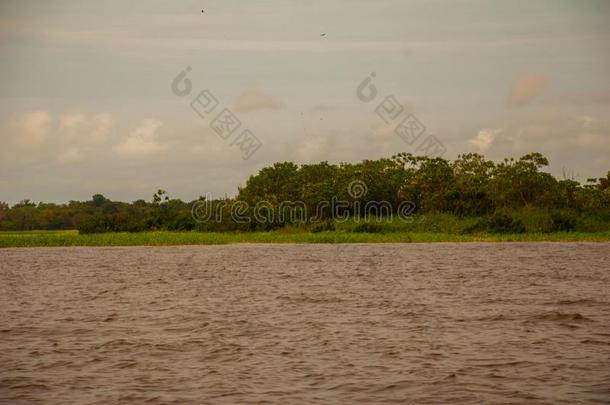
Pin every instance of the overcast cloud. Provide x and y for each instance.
(86, 104)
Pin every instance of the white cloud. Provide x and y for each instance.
(254, 99)
(142, 141)
(526, 88)
(484, 138)
(70, 155)
(573, 141)
(312, 148)
(66, 138)
(71, 121)
(588, 122)
(102, 125)
(593, 141)
(382, 131)
(78, 128)
(35, 127)
(589, 97)
(72, 126)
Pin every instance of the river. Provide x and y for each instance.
(253, 323)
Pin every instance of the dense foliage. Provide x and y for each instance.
(468, 187)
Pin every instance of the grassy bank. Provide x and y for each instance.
(72, 238)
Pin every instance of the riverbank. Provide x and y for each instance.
(163, 238)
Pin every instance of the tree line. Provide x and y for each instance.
(469, 186)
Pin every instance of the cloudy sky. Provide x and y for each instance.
(87, 104)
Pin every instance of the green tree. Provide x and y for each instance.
(472, 175)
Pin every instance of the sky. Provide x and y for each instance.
(91, 100)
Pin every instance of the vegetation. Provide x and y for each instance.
(166, 238)
(468, 196)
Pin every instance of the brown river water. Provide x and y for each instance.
(365, 323)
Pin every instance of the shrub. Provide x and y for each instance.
(563, 221)
(497, 223)
(323, 226)
(367, 227)
(92, 224)
(503, 223)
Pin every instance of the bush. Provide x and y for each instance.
(367, 227)
(92, 224)
(563, 221)
(324, 226)
(181, 222)
(503, 223)
(497, 223)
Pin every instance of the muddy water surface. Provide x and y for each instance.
(365, 323)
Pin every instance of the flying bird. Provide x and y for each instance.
(323, 35)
